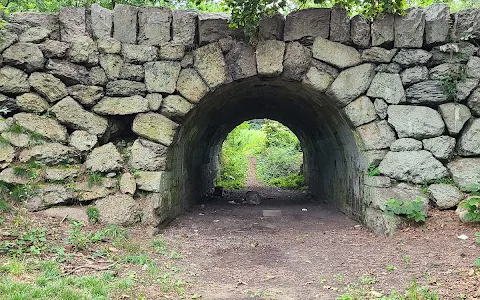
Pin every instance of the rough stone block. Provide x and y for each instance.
(360, 31)
(296, 62)
(468, 24)
(376, 135)
(426, 92)
(241, 61)
(161, 76)
(270, 57)
(455, 116)
(48, 21)
(339, 25)
(464, 171)
(212, 27)
(68, 72)
(387, 87)
(125, 23)
(336, 54)
(191, 86)
(441, 147)
(154, 25)
(307, 24)
(437, 23)
(271, 28)
(121, 105)
(210, 64)
(104, 159)
(148, 156)
(409, 29)
(406, 144)
(45, 127)
(25, 56)
(101, 21)
(184, 27)
(469, 141)
(361, 111)
(124, 88)
(417, 122)
(382, 30)
(13, 81)
(155, 127)
(83, 50)
(175, 107)
(72, 23)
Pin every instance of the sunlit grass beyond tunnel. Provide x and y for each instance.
(275, 149)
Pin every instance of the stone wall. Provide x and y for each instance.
(126, 109)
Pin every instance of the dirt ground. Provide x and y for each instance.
(315, 252)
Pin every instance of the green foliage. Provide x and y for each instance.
(289, 182)
(411, 209)
(373, 171)
(472, 205)
(455, 75)
(33, 241)
(93, 214)
(95, 179)
(82, 240)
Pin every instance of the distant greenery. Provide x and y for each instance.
(276, 149)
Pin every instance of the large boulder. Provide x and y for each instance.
(155, 127)
(360, 111)
(125, 23)
(191, 86)
(175, 106)
(417, 122)
(210, 64)
(351, 83)
(469, 141)
(270, 57)
(307, 24)
(377, 197)
(25, 56)
(43, 126)
(441, 147)
(148, 156)
(360, 31)
(50, 154)
(83, 50)
(465, 171)
(212, 27)
(72, 23)
(161, 76)
(154, 25)
(13, 81)
(101, 21)
(121, 105)
(339, 25)
(387, 87)
(376, 135)
(104, 159)
(184, 26)
(455, 116)
(382, 30)
(445, 195)
(437, 23)
(336, 54)
(409, 29)
(49, 86)
(427, 92)
(271, 27)
(119, 209)
(412, 166)
(32, 102)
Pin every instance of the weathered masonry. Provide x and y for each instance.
(127, 109)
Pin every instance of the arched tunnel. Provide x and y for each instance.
(332, 161)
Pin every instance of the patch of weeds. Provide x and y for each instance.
(93, 214)
(446, 180)
(411, 209)
(81, 240)
(159, 246)
(33, 241)
(455, 75)
(390, 268)
(416, 293)
(95, 179)
(406, 259)
(115, 232)
(15, 267)
(4, 206)
(425, 189)
(15, 128)
(175, 255)
(22, 192)
(472, 206)
(4, 141)
(373, 171)
(367, 280)
(138, 259)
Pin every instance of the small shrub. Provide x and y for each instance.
(472, 206)
(373, 171)
(93, 214)
(95, 179)
(33, 241)
(411, 209)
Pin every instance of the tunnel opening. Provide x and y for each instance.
(332, 163)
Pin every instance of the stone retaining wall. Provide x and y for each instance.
(110, 103)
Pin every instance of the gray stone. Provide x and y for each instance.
(83, 50)
(417, 122)
(414, 75)
(86, 94)
(25, 56)
(374, 157)
(34, 35)
(97, 76)
(467, 24)
(104, 159)
(437, 23)
(412, 57)
(128, 184)
(125, 88)
(360, 111)
(455, 116)
(377, 197)
(154, 25)
(453, 53)
(31, 102)
(465, 88)
(74, 212)
(469, 141)
(184, 27)
(47, 85)
(426, 92)
(191, 86)
(88, 192)
(377, 181)
(101, 21)
(445, 71)
(296, 62)
(148, 156)
(121, 105)
(175, 106)
(210, 64)
(43, 126)
(412, 166)
(69, 112)
(336, 54)
(271, 27)
(270, 57)
(149, 181)
(351, 83)
(155, 127)
(376, 135)
(108, 45)
(465, 171)
(409, 29)
(112, 64)
(139, 54)
(381, 223)
(339, 25)
(7, 154)
(360, 31)
(161, 76)
(393, 68)
(317, 79)
(117, 209)
(441, 147)
(171, 51)
(132, 72)
(212, 27)
(406, 144)
(54, 49)
(7, 39)
(68, 72)
(49, 195)
(8, 175)
(20, 140)
(242, 62)
(307, 24)
(381, 108)
(473, 67)
(325, 68)
(388, 87)
(72, 23)
(378, 55)
(125, 23)
(382, 30)
(154, 101)
(82, 140)
(474, 102)
(61, 173)
(50, 154)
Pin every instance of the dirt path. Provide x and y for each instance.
(251, 174)
(315, 252)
